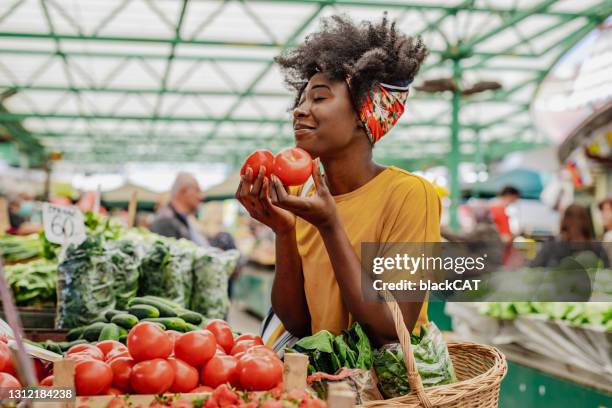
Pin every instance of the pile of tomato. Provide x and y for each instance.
(157, 361)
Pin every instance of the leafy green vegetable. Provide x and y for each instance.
(15, 248)
(125, 262)
(329, 353)
(32, 283)
(576, 313)
(432, 359)
(85, 284)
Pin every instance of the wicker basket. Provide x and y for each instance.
(479, 369)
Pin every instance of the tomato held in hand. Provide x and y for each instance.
(147, 341)
(223, 334)
(152, 376)
(92, 377)
(122, 370)
(257, 159)
(259, 372)
(292, 166)
(220, 370)
(196, 347)
(185, 376)
(86, 350)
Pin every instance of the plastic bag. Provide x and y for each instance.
(166, 271)
(85, 284)
(212, 268)
(432, 359)
(125, 262)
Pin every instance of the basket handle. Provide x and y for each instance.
(414, 379)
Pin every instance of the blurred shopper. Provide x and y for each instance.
(20, 212)
(498, 205)
(173, 220)
(605, 209)
(576, 234)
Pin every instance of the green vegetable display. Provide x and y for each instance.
(328, 353)
(166, 270)
(85, 284)
(575, 313)
(125, 262)
(15, 248)
(32, 283)
(432, 359)
(212, 268)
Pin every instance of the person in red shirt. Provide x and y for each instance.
(507, 196)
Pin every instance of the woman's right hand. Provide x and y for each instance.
(254, 195)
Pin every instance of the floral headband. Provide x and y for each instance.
(382, 108)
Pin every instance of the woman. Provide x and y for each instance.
(351, 83)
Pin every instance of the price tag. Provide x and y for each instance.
(63, 225)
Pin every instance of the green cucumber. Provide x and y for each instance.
(109, 332)
(75, 333)
(192, 327)
(125, 320)
(92, 332)
(168, 302)
(164, 309)
(123, 339)
(144, 311)
(191, 317)
(171, 323)
(66, 345)
(111, 313)
(99, 319)
(122, 331)
(52, 346)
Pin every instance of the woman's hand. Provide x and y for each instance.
(255, 197)
(318, 209)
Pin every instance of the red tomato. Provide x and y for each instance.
(9, 367)
(116, 354)
(122, 369)
(220, 370)
(174, 335)
(40, 369)
(86, 350)
(185, 376)
(201, 389)
(108, 346)
(249, 336)
(5, 356)
(259, 372)
(257, 159)
(293, 166)
(224, 396)
(9, 381)
(262, 351)
(92, 377)
(196, 347)
(223, 334)
(114, 391)
(147, 341)
(152, 376)
(47, 382)
(220, 351)
(242, 346)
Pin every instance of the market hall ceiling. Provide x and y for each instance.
(112, 81)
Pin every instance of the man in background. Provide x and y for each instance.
(174, 220)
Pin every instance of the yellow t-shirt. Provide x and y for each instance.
(395, 206)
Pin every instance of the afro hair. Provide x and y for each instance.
(367, 53)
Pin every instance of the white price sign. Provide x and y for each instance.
(63, 225)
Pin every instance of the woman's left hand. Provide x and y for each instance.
(319, 209)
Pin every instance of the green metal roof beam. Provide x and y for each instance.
(152, 40)
(423, 6)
